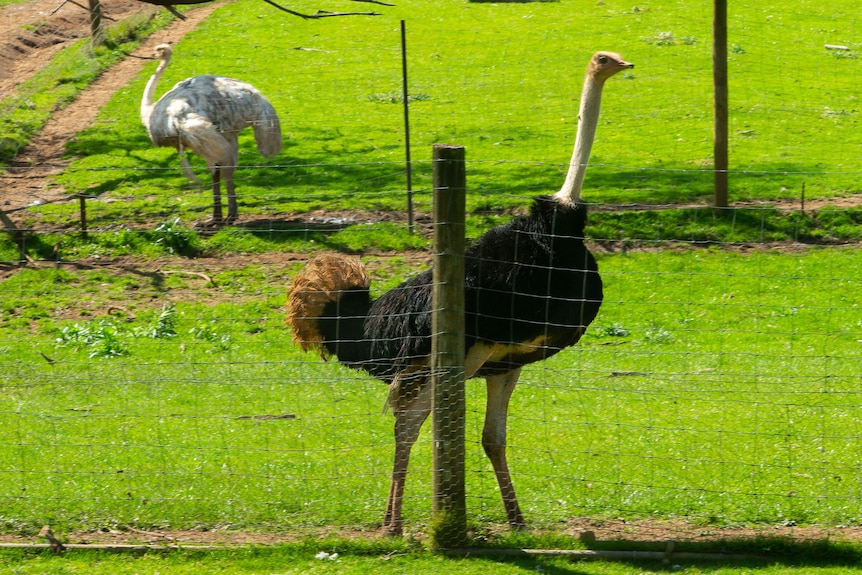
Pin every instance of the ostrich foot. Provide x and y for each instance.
(210, 224)
(391, 530)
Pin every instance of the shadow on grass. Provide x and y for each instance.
(281, 232)
(684, 186)
(318, 180)
(350, 193)
(665, 556)
(281, 173)
(350, 232)
(753, 225)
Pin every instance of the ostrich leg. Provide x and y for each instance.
(411, 406)
(232, 211)
(217, 214)
(500, 388)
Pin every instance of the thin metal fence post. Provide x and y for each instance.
(719, 72)
(406, 102)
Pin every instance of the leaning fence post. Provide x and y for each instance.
(97, 33)
(7, 223)
(447, 347)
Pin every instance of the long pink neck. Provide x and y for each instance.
(588, 116)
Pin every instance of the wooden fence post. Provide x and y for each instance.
(447, 347)
(82, 208)
(97, 33)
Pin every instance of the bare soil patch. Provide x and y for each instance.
(25, 49)
(33, 32)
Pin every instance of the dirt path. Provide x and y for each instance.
(28, 180)
(33, 32)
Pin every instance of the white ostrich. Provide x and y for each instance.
(205, 114)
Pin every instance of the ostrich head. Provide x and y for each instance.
(602, 66)
(163, 52)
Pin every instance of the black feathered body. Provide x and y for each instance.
(530, 284)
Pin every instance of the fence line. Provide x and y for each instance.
(717, 384)
(720, 382)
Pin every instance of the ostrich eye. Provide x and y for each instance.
(603, 60)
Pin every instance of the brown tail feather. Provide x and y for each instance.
(320, 282)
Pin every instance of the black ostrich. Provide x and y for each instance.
(532, 288)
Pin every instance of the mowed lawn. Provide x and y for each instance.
(714, 385)
(718, 385)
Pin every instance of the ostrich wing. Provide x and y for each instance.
(205, 113)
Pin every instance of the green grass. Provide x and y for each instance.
(714, 386)
(717, 387)
(509, 95)
(382, 558)
(728, 226)
(172, 237)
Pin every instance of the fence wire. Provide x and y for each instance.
(720, 382)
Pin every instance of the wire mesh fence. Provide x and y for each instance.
(719, 382)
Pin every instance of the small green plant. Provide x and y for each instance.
(842, 53)
(658, 335)
(163, 325)
(614, 330)
(100, 335)
(208, 333)
(396, 97)
(669, 39)
(176, 238)
(106, 339)
(662, 39)
(833, 114)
